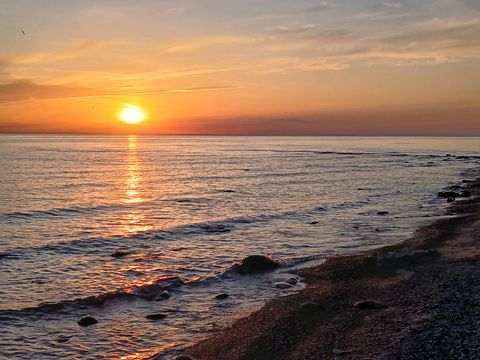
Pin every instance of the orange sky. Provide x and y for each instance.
(250, 67)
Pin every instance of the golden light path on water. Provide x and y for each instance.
(134, 221)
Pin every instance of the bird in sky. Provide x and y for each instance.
(23, 32)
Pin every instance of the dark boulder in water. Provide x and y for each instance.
(255, 264)
(120, 253)
(158, 316)
(382, 213)
(87, 320)
(163, 296)
(62, 339)
(465, 193)
(314, 223)
(292, 281)
(449, 200)
(447, 194)
(283, 285)
(222, 296)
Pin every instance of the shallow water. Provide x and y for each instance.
(185, 209)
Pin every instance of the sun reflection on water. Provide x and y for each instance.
(133, 195)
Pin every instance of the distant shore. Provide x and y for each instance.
(415, 300)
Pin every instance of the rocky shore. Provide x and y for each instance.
(419, 299)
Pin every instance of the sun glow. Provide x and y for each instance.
(132, 114)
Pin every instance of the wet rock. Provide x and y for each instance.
(368, 304)
(222, 296)
(157, 316)
(314, 223)
(450, 200)
(227, 191)
(120, 253)
(255, 264)
(87, 320)
(447, 194)
(163, 296)
(292, 281)
(382, 213)
(62, 339)
(283, 285)
(184, 357)
(465, 193)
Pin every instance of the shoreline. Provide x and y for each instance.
(414, 299)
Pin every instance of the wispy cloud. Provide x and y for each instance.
(26, 89)
(318, 7)
(71, 51)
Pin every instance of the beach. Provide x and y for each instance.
(414, 300)
(137, 247)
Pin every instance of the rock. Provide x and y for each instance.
(227, 191)
(158, 316)
(382, 213)
(255, 264)
(163, 296)
(292, 281)
(87, 320)
(310, 306)
(62, 339)
(183, 357)
(368, 304)
(222, 296)
(314, 223)
(449, 200)
(465, 193)
(120, 253)
(447, 194)
(283, 285)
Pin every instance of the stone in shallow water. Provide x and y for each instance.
(368, 304)
(283, 285)
(87, 320)
(62, 339)
(222, 296)
(163, 296)
(255, 264)
(158, 316)
(292, 281)
(120, 253)
(382, 213)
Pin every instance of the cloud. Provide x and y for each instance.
(294, 29)
(198, 43)
(26, 89)
(301, 64)
(318, 7)
(395, 5)
(175, 10)
(65, 53)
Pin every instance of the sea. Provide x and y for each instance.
(121, 227)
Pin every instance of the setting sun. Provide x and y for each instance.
(132, 114)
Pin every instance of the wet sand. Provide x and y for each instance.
(419, 299)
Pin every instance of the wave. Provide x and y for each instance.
(147, 292)
(105, 246)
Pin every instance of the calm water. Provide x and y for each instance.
(186, 209)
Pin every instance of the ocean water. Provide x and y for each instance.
(185, 209)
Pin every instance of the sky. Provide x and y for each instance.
(260, 67)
